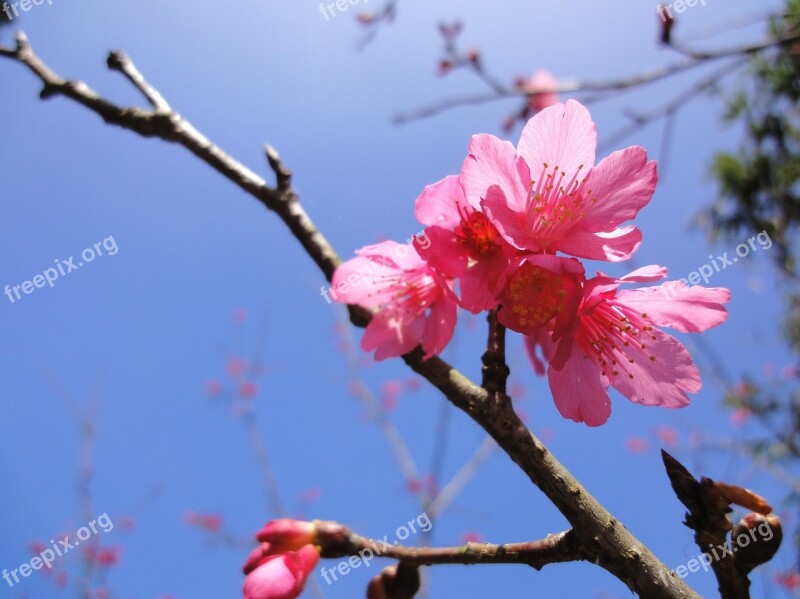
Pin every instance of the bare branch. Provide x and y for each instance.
(337, 540)
(693, 58)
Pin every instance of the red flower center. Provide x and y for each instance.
(476, 232)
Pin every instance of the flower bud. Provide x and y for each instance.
(755, 539)
(400, 581)
(286, 534)
(281, 576)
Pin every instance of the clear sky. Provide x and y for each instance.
(148, 326)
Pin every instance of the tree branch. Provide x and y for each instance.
(338, 541)
(498, 91)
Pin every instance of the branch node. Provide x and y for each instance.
(283, 175)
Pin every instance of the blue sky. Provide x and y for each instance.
(147, 327)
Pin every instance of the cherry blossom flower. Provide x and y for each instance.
(614, 341)
(463, 243)
(667, 435)
(248, 389)
(637, 445)
(209, 522)
(545, 82)
(415, 304)
(545, 195)
(538, 289)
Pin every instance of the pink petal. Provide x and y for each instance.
(561, 135)
(402, 255)
(673, 304)
(579, 390)
(445, 252)
(621, 185)
(438, 203)
(511, 223)
(493, 162)
(478, 284)
(541, 340)
(391, 333)
(645, 274)
(439, 327)
(660, 382)
(355, 282)
(615, 246)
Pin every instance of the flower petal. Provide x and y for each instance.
(438, 203)
(579, 390)
(492, 161)
(615, 246)
(561, 135)
(673, 304)
(660, 374)
(620, 186)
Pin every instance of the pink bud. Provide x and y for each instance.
(213, 388)
(288, 533)
(282, 576)
(248, 390)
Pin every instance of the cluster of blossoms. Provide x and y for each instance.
(507, 233)
(279, 566)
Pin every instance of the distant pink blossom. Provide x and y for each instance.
(390, 392)
(546, 195)
(789, 580)
(415, 304)
(235, 366)
(667, 435)
(209, 522)
(248, 389)
(546, 96)
(103, 556)
(740, 416)
(637, 445)
(615, 341)
(213, 388)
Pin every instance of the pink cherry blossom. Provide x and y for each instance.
(637, 445)
(415, 304)
(544, 82)
(462, 243)
(615, 342)
(667, 435)
(248, 389)
(547, 194)
(209, 522)
(538, 289)
(281, 576)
